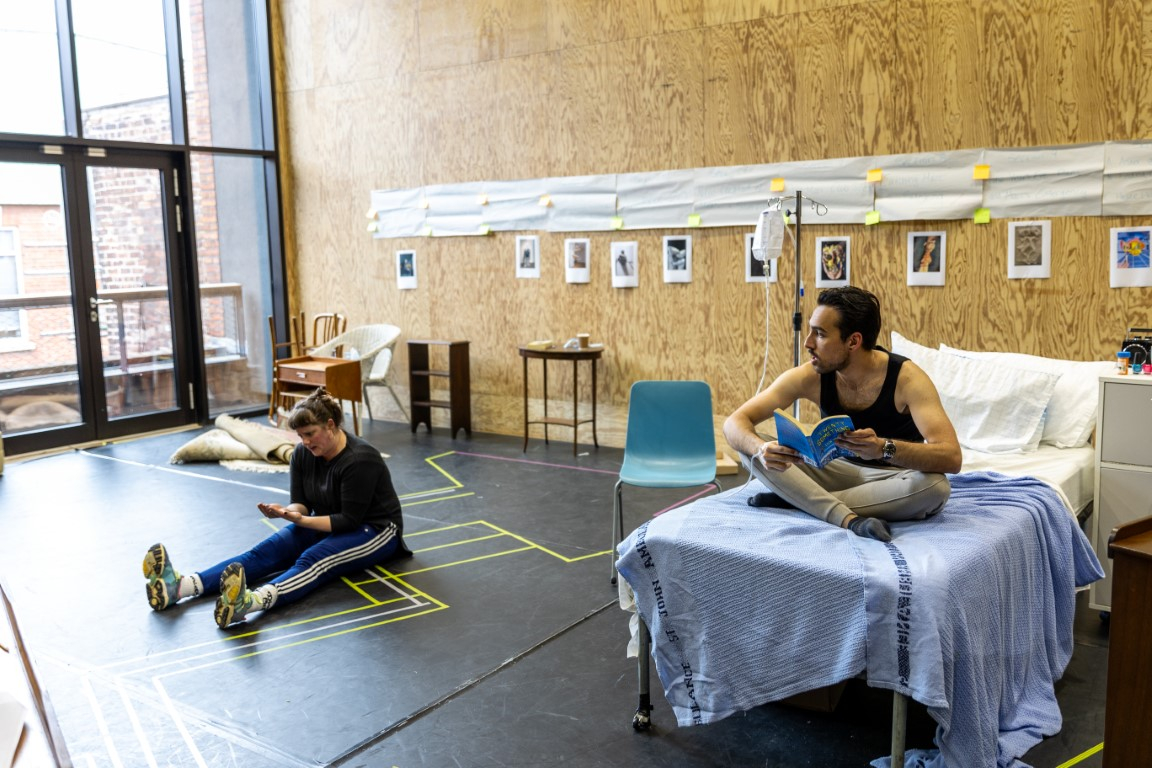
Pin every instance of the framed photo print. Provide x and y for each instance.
(1128, 257)
(677, 259)
(1029, 249)
(528, 256)
(622, 259)
(576, 255)
(833, 260)
(926, 255)
(406, 270)
(756, 271)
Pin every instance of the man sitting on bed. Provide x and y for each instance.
(903, 442)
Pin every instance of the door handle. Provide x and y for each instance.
(95, 302)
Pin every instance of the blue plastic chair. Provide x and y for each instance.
(670, 443)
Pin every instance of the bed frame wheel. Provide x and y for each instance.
(641, 720)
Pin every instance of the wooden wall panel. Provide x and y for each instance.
(577, 23)
(405, 93)
(621, 107)
(461, 34)
(363, 40)
(845, 67)
(749, 92)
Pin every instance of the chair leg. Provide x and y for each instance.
(367, 401)
(643, 717)
(617, 525)
(399, 404)
(899, 727)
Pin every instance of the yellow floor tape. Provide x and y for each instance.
(1082, 756)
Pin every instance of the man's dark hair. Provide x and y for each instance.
(859, 312)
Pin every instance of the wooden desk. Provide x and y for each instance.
(574, 356)
(1128, 702)
(298, 377)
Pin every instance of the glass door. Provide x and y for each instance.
(94, 340)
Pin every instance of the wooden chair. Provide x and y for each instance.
(292, 348)
(325, 327)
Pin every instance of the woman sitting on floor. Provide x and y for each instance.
(343, 516)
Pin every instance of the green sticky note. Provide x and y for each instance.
(982, 216)
(485, 229)
(617, 222)
(871, 217)
(693, 219)
(427, 231)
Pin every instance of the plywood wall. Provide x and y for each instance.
(376, 94)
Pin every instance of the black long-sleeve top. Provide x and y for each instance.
(352, 489)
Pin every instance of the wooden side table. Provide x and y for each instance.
(298, 377)
(574, 356)
(420, 374)
(1128, 702)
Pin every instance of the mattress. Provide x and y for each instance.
(1070, 471)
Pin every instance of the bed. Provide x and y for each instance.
(969, 612)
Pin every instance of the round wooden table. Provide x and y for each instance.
(591, 354)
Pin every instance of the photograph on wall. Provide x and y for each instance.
(576, 260)
(1128, 257)
(624, 265)
(1029, 249)
(926, 258)
(756, 271)
(528, 256)
(677, 259)
(833, 259)
(406, 270)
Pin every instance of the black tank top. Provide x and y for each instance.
(881, 415)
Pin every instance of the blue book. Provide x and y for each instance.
(814, 442)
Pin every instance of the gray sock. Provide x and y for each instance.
(871, 528)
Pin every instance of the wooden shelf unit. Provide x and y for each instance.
(458, 381)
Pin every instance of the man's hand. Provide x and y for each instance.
(862, 442)
(777, 457)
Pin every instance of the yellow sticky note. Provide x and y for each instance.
(617, 222)
(371, 213)
(545, 200)
(427, 231)
(372, 227)
(423, 203)
(876, 174)
(982, 216)
(693, 219)
(981, 172)
(777, 185)
(485, 229)
(482, 200)
(871, 217)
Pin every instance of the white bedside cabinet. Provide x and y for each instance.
(1123, 467)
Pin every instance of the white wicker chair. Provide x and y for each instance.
(373, 345)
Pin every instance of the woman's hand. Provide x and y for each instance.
(282, 512)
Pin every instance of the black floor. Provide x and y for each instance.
(499, 644)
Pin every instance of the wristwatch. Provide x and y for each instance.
(889, 450)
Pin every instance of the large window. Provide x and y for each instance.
(10, 325)
(31, 98)
(188, 79)
(122, 62)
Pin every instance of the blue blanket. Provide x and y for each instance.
(969, 612)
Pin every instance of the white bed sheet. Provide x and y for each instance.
(1070, 471)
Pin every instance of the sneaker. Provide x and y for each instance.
(235, 600)
(163, 580)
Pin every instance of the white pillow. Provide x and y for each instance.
(1072, 409)
(994, 409)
